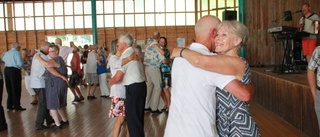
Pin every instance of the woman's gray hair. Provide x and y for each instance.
(113, 46)
(126, 38)
(237, 28)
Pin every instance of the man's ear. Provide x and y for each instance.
(214, 33)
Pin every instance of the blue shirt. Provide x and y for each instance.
(152, 56)
(12, 58)
(102, 69)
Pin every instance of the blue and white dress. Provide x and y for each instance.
(233, 116)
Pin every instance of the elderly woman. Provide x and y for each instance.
(230, 36)
(27, 61)
(165, 68)
(117, 94)
(102, 73)
(56, 88)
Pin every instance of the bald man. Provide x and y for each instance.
(153, 58)
(193, 101)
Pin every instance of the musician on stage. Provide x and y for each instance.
(308, 42)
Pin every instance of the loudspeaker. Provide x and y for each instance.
(287, 15)
(229, 15)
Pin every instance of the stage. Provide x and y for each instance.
(287, 95)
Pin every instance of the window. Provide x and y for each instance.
(59, 23)
(160, 20)
(38, 7)
(119, 20)
(68, 8)
(1, 24)
(170, 19)
(78, 9)
(150, 20)
(117, 13)
(49, 23)
(48, 8)
(88, 21)
(129, 20)
(30, 23)
(18, 10)
(69, 22)
(78, 22)
(39, 23)
(58, 8)
(109, 21)
(180, 5)
(100, 21)
(139, 20)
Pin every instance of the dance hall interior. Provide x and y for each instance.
(283, 76)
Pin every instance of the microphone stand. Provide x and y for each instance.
(276, 20)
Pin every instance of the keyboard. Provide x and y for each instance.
(282, 29)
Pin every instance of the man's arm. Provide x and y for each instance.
(312, 82)
(243, 92)
(19, 59)
(116, 78)
(156, 46)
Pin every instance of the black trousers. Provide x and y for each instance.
(3, 123)
(43, 112)
(135, 102)
(13, 83)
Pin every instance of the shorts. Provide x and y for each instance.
(308, 45)
(117, 107)
(92, 78)
(75, 79)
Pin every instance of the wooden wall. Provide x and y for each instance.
(262, 48)
(288, 96)
(33, 39)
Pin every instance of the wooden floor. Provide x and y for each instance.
(90, 119)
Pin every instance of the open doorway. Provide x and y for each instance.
(78, 40)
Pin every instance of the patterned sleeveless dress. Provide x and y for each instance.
(233, 116)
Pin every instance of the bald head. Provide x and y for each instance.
(156, 35)
(45, 47)
(206, 24)
(205, 30)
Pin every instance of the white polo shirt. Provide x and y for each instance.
(64, 52)
(91, 66)
(37, 71)
(133, 70)
(193, 100)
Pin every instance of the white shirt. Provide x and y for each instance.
(91, 62)
(193, 100)
(37, 71)
(117, 90)
(64, 52)
(133, 70)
